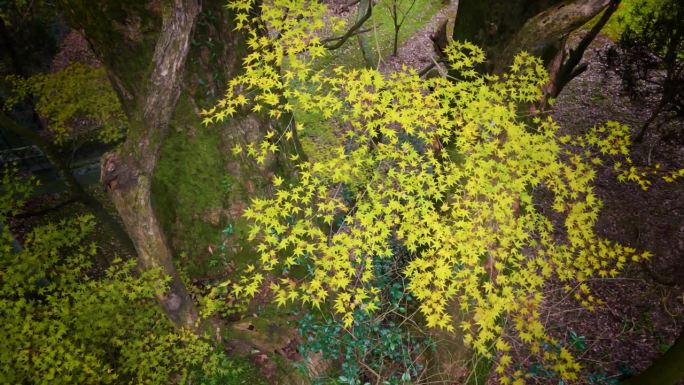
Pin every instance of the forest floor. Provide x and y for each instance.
(644, 307)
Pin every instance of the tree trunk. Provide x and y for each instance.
(395, 42)
(654, 114)
(370, 57)
(166, 179)
(155, 38)
(544, 31)
(566, 66)
(503, 28)
(128, 173)
(667, 369)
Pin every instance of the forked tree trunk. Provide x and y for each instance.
(543, 33)
(503, 28)
(144, 47)
(492, 24)
(128, 172)
(164, 73)
(566, 65)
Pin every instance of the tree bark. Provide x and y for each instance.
(128, 173)
(665, 370)
(144, 46)
(566, 66)
(370, 57)
(503, 28)
(164, 71)
(395, 40)
(544, 31)
(651, 118)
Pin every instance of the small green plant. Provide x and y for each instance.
(577, 342)
(398, 10)
(377, 346)
(219, 369)
(227, 183)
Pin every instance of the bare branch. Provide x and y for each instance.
(337, 42)
(569, 70)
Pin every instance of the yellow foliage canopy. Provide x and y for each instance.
(446, 169)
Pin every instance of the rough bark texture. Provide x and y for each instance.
(166, 180)
(545, 31)
(365, 42)
(492, 23)
(668, 369)
(144, 47)
(566, 65)
(130, 191)
(505, 27)
(128, 173)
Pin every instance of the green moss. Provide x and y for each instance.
(187, 187)
(616, 24)
(241, 253)
(317, 139)
(123, 34)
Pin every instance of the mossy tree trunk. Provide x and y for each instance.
(163, 73)
(149, 97)
(492, 24)
(544, 33)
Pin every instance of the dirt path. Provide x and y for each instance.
(418, 51)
